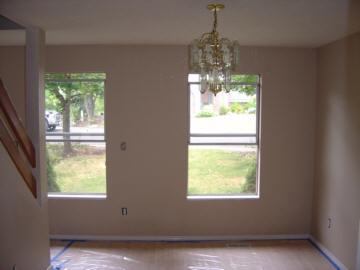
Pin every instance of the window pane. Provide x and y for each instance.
(81, 172)
(225, 113)
(223, 140)
(245, 78)
(74, 76)
(238, 78)
(85, 109)
(73, 136)
(74, 121)
(194, 78)
(222, 170)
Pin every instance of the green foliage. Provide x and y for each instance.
(205, 114)
(224, 110)
(51, 174)
(250, 107)
(246, 78)
(99, 105)
(237, 107)
(51, 102)
(250, 183)
(82, 95)
(82, 76)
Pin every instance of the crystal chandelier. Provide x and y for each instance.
(214, 58)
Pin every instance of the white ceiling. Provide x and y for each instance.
(299, 23)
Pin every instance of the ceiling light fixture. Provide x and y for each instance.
(214, 58)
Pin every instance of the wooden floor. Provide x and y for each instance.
(249, 255)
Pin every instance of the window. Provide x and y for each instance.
(75, 141)
(223, 139)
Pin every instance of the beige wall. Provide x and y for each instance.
(12, 73)
(24, 223)
(337, 182)
(146, 106)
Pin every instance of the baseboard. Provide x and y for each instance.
(329, 256)
(178, 238)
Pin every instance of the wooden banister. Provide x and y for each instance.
(16, 125)
(14, 154)
(11, 124)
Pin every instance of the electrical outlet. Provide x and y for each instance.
(329, 224)
(124, 211)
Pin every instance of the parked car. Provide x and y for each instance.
(52, 120)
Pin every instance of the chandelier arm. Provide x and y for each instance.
(225, 39)
(203, 36)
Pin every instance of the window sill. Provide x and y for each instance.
(222, 197)
(65, 196)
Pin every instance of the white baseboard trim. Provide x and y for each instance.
(330, 256)
(178, 238)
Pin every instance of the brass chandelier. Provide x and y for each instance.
(214, 58)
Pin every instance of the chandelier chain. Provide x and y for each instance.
(215, 21)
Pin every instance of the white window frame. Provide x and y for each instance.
(256, 143)
(79, 195)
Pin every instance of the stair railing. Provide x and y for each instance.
(16, 140)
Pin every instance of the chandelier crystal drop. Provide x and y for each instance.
(214, 58)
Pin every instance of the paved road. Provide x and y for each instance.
(230, 123)
(92, 130)
(226, 124)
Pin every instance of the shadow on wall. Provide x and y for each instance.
(351, 104)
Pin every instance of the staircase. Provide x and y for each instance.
(16, 141)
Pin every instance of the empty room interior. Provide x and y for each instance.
(185, 134)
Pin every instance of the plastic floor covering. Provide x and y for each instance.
(219, 255)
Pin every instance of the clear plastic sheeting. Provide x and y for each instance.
(57, 246)
(256, 255)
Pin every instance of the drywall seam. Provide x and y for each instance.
(179, 238)
(330, 256)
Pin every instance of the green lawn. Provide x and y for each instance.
(82, 172)
(219, 172)
(211, 172)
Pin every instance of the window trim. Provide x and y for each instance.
(79, 195)
(223, 197)
(256, 195)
